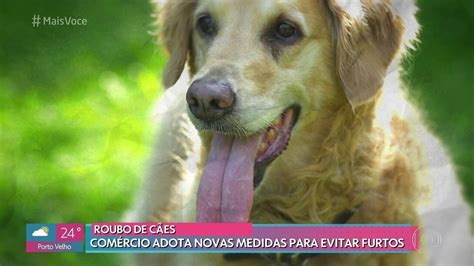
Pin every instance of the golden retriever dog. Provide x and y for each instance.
(291, 111)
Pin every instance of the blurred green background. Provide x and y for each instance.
(76, 103)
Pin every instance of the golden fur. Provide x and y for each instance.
(353, 144)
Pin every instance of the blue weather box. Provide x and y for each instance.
(54, 238)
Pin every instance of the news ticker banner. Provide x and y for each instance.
(221, 238)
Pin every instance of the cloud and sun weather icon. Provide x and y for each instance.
(43, 231)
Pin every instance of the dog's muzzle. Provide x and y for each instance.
(209, 100)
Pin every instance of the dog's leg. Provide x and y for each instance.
(173, 165)
(170, 179)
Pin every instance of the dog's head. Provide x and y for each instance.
(260, 66)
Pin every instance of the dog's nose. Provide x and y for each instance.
(210, 100)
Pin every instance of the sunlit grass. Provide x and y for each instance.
(73, 159)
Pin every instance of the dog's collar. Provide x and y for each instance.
(292, 259)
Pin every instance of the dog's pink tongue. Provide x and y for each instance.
(226, 189)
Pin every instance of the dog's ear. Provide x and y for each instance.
(368, 35)
(175, 23)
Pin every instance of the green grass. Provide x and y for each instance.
(76, 104)
(72, 159)
(440, 76)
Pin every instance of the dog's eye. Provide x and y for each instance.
(285, 30)
(280, 35)
(206, 25)
(285, 33)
